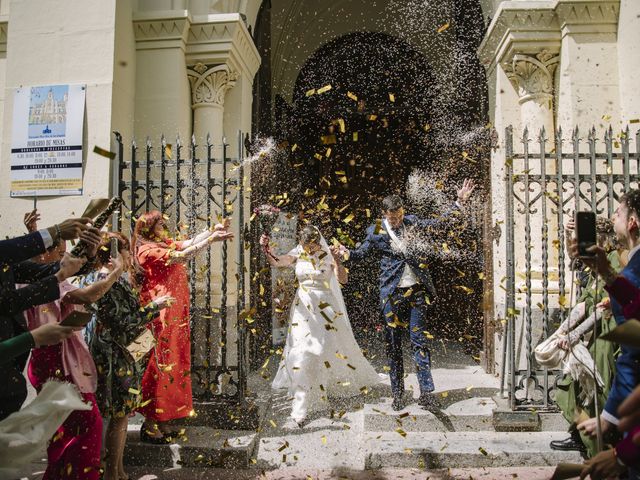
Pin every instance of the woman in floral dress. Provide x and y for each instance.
(119, 321)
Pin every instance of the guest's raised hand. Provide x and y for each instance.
(91, 238)
(51, 334)
(70, 229)
(31, 220)
(220, 236)
(224, 225)
(464, 192)
(116, 265)
(164, 301)
(69, 266)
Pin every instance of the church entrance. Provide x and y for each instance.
(365, 116)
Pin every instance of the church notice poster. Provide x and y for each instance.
(46, 143)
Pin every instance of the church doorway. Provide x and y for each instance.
(365, 112)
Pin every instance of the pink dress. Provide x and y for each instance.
(74, 451)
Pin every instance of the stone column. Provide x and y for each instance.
(533, 78)
(532, 75)
(209, 86)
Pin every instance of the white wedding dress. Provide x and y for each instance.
(321, 357)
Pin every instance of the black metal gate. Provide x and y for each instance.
(194, 190)
(542, 190)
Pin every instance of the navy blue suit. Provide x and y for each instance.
(402, 307)
(627, 375)
(42, 288)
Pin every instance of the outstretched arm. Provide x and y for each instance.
(96, 290)
(206, 233)
(280, 261)
(186, 254)
(364, 249)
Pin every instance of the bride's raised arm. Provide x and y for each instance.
(279, 261)
(338, 267)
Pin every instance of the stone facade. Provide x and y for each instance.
(554, 64)
(187, 67)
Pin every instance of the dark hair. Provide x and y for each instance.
(309, 234)
(392, 203)
(632, 200)
(104, 250)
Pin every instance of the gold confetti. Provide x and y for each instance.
(326, 88)
(324, 439)
(310, 92)
(352, 96)
(392, 97)
(103, 152)
(443, 27)
(482, 451)
(401, 432)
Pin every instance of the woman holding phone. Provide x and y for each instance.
(120, 320)
(74, 451)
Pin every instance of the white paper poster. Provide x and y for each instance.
(283, 280)
(46, 143)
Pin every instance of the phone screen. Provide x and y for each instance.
(114, 247)
(585, 232)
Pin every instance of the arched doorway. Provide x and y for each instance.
(366, 109)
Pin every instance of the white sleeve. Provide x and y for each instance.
(46, 238)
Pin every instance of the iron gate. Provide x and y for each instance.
(194, 191)
(542, 190)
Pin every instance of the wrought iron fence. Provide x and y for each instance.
(194, 191)
(545, 183)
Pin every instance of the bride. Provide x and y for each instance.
(321, 357)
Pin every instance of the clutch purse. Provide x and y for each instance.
(142, 345)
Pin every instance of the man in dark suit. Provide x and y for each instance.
(42, 280)
(406, 291)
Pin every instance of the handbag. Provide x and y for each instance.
(142, 345)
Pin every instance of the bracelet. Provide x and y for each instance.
(58, 234)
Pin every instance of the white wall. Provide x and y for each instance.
(62, 41)
(629, 60)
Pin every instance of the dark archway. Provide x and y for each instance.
(383, 90)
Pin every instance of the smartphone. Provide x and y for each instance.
(76, 319)
(114, 247)
(585, 232)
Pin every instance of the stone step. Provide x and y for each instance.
(403, 449)
(480, 413)
(472, 414)
(199, 447)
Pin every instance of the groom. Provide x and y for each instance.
(406, 290)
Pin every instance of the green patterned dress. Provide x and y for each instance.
(568, 390)
(119, 321)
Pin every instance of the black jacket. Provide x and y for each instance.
(42, 288)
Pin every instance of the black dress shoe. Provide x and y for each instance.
(146, 438)
(429, 401)
(397, 404)
(568, 444)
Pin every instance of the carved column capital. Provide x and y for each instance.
(533, 76)
(209, 85)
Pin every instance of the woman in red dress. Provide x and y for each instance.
(166, 385)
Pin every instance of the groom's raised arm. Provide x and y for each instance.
(365, 247)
